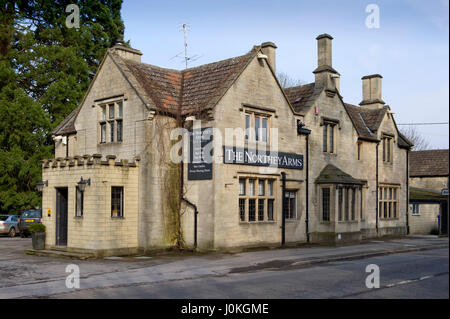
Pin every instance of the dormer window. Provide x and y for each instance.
(111, 122)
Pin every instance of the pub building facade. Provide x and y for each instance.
(337, 171)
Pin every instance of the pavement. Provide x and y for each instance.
(25, 276)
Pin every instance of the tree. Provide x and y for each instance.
(286, 81)
(420, 142)
(45, 69)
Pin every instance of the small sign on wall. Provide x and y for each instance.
(200, 154)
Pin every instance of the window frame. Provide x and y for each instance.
(289, 216)
(256, 201)
(415, 209)
(347, 202)
(251, 134)
(121, 212)
(388, 202)
(329, 137)
(111, 122)
(388, 148)
(326, 204)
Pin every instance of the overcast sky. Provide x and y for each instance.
(410, 49)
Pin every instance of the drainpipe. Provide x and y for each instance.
(301, 130)
(283, 210)
(182, 198)
(407, 191)
(67, 145)
(376, 179)
(307, 189)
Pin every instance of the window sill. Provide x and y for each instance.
(348, 221)
(415, 214)
(257, 222)
(388, 219)
(109, 143)
(78, 217)
(117, 217)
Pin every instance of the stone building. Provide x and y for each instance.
(428, 172)
(338, 171)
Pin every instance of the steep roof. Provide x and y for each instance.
(428, 163)
(365, 130)
(333, 175)
(174, 91)
(67, 126)
(368, 121)
(188, 90)
(302, 96)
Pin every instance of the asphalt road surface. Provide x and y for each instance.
(420, 274)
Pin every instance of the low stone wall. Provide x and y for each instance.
(96, 230)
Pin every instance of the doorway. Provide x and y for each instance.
(61, 216)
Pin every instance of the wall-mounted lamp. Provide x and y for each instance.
(82, 184)
(40, 185)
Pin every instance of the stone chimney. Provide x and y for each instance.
(127, 53)
(324, 73)
(371, 91)
(269, 49)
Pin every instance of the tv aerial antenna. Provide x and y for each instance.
(186, 58)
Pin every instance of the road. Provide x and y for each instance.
(419, 271)
(407, 275)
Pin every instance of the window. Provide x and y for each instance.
(347, 209)
(247, 127)
(260, 130)
(251, 210)
(291, 204)
(353, 206)
(328, 137)
(103, 132)
(270, 209)
(346, 203)
(325, 204)
(79, 202)
(387, 149)
(415, 209)
(117, 201)
(241, 187)
(387, 202)
(261, 184)
(256, 199)
(111, 122)
(260, 209)
(242, 209)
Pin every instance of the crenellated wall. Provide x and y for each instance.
(96, 229)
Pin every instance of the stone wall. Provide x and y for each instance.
(427, 219)
(96, 230)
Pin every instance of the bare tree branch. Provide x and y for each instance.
(420, 142)
(286, 81)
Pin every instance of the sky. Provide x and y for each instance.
(410, 48)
